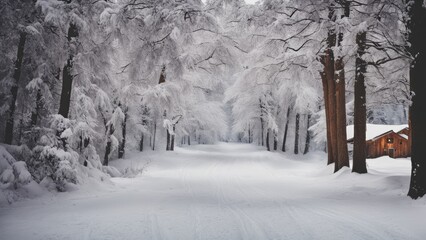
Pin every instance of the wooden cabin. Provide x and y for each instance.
(395, 144)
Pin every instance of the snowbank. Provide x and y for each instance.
(15, 180)
(28, 174)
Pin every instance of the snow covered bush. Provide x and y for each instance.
(15, 179)
(54, 163)
(21, 174)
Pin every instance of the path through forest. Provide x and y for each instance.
(229, 191)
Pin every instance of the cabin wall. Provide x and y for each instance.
(407, 132)
(380, 147)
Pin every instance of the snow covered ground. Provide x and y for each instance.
(227, 191)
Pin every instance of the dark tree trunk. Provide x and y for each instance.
(330, 108)
(286, 130)
(67, 77)
(249, 134)
(36, 112)
(107, 152)
(417, 39)
(296, 135)
(189, 140)
(8, 133)
(110, 131)
(80, 144)
(360, 110)
(275, 141)
(267, 140)
(262, 128)
(83, 144)
(172, 141)
(339, 67)
(162, 75)
(153, 138)
(308, 135)
(327, 76)
(342, 146)
(122, 145)
(21, 130)
(141, 143)
(168, 140)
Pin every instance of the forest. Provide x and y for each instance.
(86, 85)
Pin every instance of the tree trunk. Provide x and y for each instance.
(331, 107)
(141, 143)
(67, 77)
(162, 75)
(308, 136)
(8, 133)
(110, 131)
(172, 141)
(122, 145)
(267, 140)
(262, 130)
(286, 129)
(329, 89)
(417, 39)
(261, 122)
(168, 140)
(189, 140)
(153, 138)
(296, 135)
(107, 152)
(275, 141)
(36, 112)
(249, 134)
(360, 110)
(342, 145)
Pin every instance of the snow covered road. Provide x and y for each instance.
(229, 191)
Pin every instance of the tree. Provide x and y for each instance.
(18, 18)
(416, 24)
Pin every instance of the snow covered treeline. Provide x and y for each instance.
(300, 58)
(333, 62)
(84, 81)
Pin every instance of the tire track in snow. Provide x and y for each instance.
(361, 228)
(249, 228)
(194, 210)
(269, 230)
(155, 229)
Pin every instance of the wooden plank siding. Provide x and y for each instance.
(391, 144)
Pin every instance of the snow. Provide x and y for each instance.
(374, 130)
(227, 191)
(15, 180)
(404, 136)
(21, 172)
(67, 133)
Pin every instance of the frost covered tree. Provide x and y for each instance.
(19, 22)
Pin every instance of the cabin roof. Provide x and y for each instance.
(376, 130)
